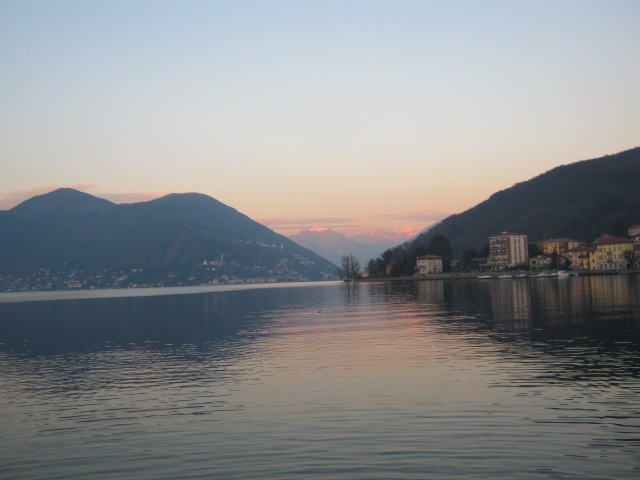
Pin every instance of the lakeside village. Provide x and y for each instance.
(220, 270)
(509, 251)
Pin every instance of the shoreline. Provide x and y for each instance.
(493, 275)
(77, 294)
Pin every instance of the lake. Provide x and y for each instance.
(494, 379)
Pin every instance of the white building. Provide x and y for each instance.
(429, 264)
(508, 249)
(540, 262)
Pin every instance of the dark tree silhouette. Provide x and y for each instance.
(441, 246)
(349, 268)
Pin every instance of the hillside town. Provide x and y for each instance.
(219, 270)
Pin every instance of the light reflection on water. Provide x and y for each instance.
(511, 379)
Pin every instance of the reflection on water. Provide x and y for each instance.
(548, 300)
(436, 379)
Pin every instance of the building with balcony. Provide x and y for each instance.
(508, 249)
(635, 265)
(583, 258)
(556, 245)
(613, 253)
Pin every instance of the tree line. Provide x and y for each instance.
(401, 260)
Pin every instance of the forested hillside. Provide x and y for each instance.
(582, 201)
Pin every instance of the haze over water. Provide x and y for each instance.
(500, 379)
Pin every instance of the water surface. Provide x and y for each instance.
(494, 379)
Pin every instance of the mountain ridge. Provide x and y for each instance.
(580, 200)
(71, 230)
(62, 198)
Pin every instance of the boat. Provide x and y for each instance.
(485, 277)
(522, 275)
(543, 275)
(506, 275)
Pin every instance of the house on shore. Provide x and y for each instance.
(540, 262)
(429, 264)
(613, 253)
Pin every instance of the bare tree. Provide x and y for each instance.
(355, 267)
(349, 268)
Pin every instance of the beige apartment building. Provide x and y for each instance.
(508, 249)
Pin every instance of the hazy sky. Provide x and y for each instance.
(356, 115)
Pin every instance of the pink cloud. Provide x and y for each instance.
(307, 221)
(291, 226)
(422, 215)
(384, 221)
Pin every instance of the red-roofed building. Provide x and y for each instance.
(613, 253)
(583, 258)
(540, 262)
(429, 264)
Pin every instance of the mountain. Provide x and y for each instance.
(170, 237)
(64, 201)
(332, 245)
(396, 235)
(582, 200)
(325, 242)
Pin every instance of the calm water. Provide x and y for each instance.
(501, 379)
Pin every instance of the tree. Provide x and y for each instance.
(441, 246)
(397, 261)
(386, 255)
(534, 250)
(372, 266)
(468, 258)
(349, 268)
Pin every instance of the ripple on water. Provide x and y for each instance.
(431, 380)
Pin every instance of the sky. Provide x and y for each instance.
(353, 115)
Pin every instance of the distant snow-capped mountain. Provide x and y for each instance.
(397, 235)
(332, 245)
